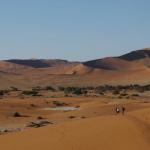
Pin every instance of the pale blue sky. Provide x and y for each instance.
(72, 29)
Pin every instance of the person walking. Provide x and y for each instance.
(123, 110)
(117, 110)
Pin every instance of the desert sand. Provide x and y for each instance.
(76, 101)
(94, 126)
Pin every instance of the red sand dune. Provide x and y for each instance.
(126, 69)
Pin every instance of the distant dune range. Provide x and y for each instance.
(130, 68)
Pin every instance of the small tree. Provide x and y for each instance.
(116, 92)
(14, 88)
(49, 88)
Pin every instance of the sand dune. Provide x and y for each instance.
(106, 133)
(80, 69)
(132, 68)
(13, 68)
(95, 126)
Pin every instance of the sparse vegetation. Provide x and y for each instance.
(58, 103)
(17, 114)
(116, 92)
(135, 95)
(33, 105)
(102, 90)
(37, 88)
(14, 88)
(3, 92)
(71, 117)
(50, 88)
(61, 88)
(31, 93)
(123, 94)
(74, 90)
(40, 118)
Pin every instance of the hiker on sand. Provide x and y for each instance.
(123, 110)
(117, 110)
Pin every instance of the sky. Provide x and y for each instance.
(76, 30)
